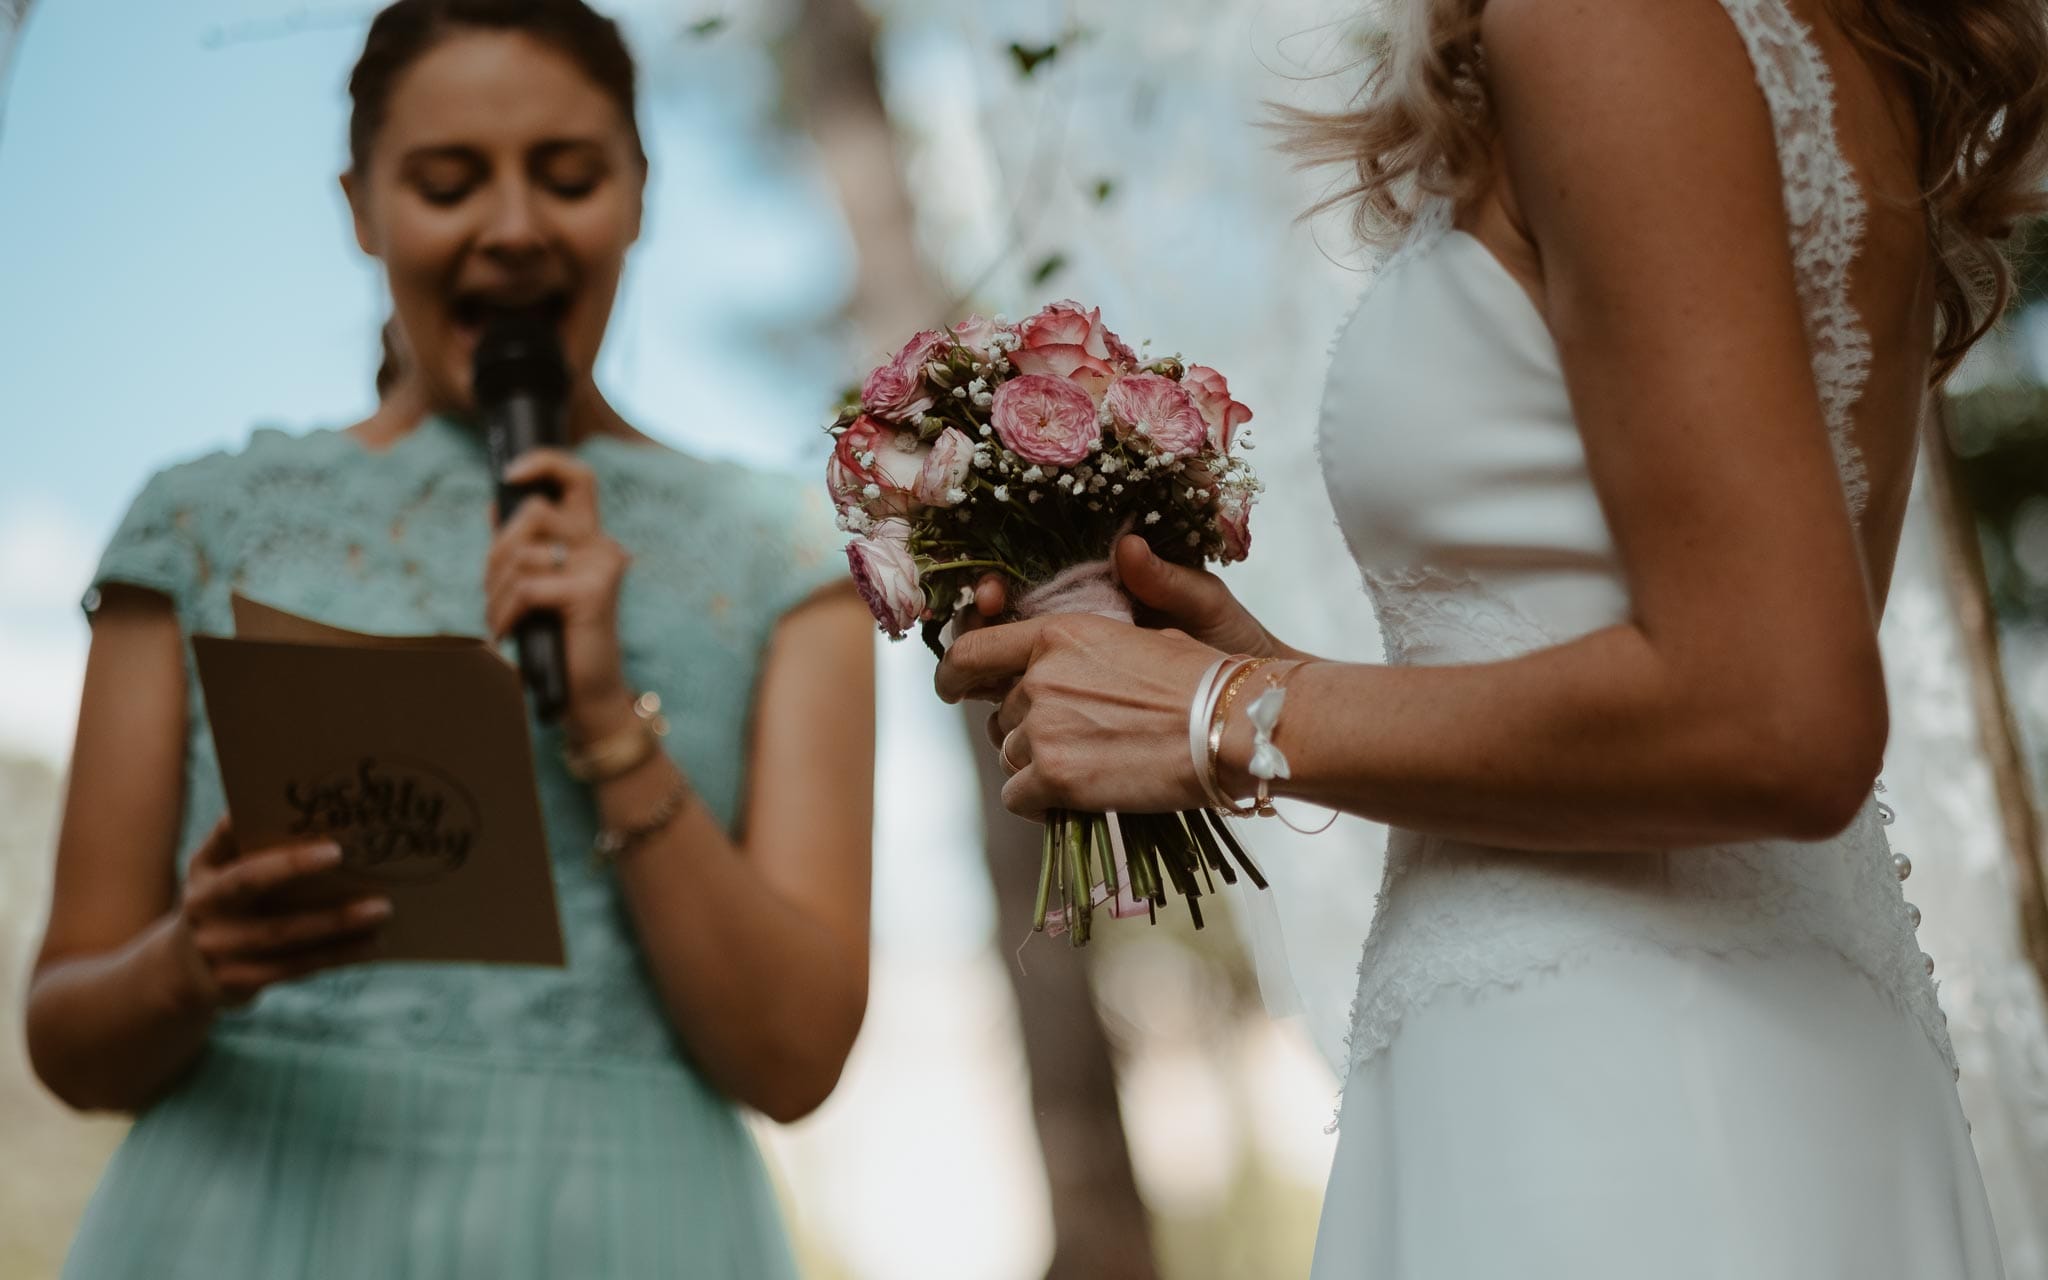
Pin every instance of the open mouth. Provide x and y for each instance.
(473, 311)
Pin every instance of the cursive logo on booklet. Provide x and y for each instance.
(394, 819)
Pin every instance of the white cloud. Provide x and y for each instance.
(46, 555)
(46, 558)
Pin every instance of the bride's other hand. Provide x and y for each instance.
(1095, 714)
(1169, 596)
(1194, 601)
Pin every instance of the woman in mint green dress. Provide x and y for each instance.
(302, 1116)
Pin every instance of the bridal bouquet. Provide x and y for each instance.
(1027, 450)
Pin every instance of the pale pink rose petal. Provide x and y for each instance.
(1211, 394)
(897, 391)
(976, 333)
(1152, 410)
(870, 455)
(885, 574)
(1046, 420)
(945, 469)
(1061, 324)
(1234, 522)
(1070, 362)
(1067, 323)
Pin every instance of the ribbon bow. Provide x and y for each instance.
(1264, 712)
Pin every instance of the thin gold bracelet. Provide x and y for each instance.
(612, 844)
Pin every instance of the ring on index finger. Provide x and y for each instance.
(1003, 753)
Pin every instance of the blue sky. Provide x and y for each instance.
(178, 267)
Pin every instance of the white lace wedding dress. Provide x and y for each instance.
(1723, 1062)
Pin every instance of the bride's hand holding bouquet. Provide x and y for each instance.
(1048, 473)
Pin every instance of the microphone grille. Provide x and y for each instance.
(517, 353)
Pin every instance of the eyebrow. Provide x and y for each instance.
(465, 151)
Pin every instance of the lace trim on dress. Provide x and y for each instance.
(1545, 916)
(1827, 210)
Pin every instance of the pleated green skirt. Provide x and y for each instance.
(280, 1159)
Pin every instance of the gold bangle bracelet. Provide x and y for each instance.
(624, 751)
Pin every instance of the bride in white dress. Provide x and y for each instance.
(1625, 479)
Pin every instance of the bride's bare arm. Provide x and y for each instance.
(1745, 697)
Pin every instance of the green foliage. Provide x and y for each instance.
(1030, 57)
(1050, 267)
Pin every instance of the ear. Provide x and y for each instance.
(359, 212)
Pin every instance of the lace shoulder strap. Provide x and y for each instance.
(1826, 208)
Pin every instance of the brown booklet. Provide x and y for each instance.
(413, 754)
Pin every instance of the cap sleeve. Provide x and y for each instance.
(812, 550)
(156, 546)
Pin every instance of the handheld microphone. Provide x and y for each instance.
(520, 382)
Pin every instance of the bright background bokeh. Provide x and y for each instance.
(176, 267)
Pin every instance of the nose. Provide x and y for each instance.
(512, 228)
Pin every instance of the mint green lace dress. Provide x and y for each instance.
(406, 1120)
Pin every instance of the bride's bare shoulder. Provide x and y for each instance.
(1619, 55)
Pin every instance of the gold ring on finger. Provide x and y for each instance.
(1003, 753)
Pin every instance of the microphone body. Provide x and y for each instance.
(520, 385)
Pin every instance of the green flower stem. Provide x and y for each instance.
(970, 564)
(1044, 882)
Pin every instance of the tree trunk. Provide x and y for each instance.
(1100, 1223)
(2001, 736)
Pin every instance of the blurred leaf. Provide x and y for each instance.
(2000, 438)
(705, 28)
(1049, 268)
(1104, 189)
(1029, 56)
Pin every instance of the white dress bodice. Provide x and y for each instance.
(1461, 484)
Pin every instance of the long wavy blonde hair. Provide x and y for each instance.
(1976, 71)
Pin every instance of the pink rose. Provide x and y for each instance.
(1064, 341)
(976, 333)
(1234, 522)
(886, 577)
(1152, 409)
(1071, 363)
(871, 470)
(1046, 420)
(1211, 395)
(945, 469)
(897, 391)
(1065, 323)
